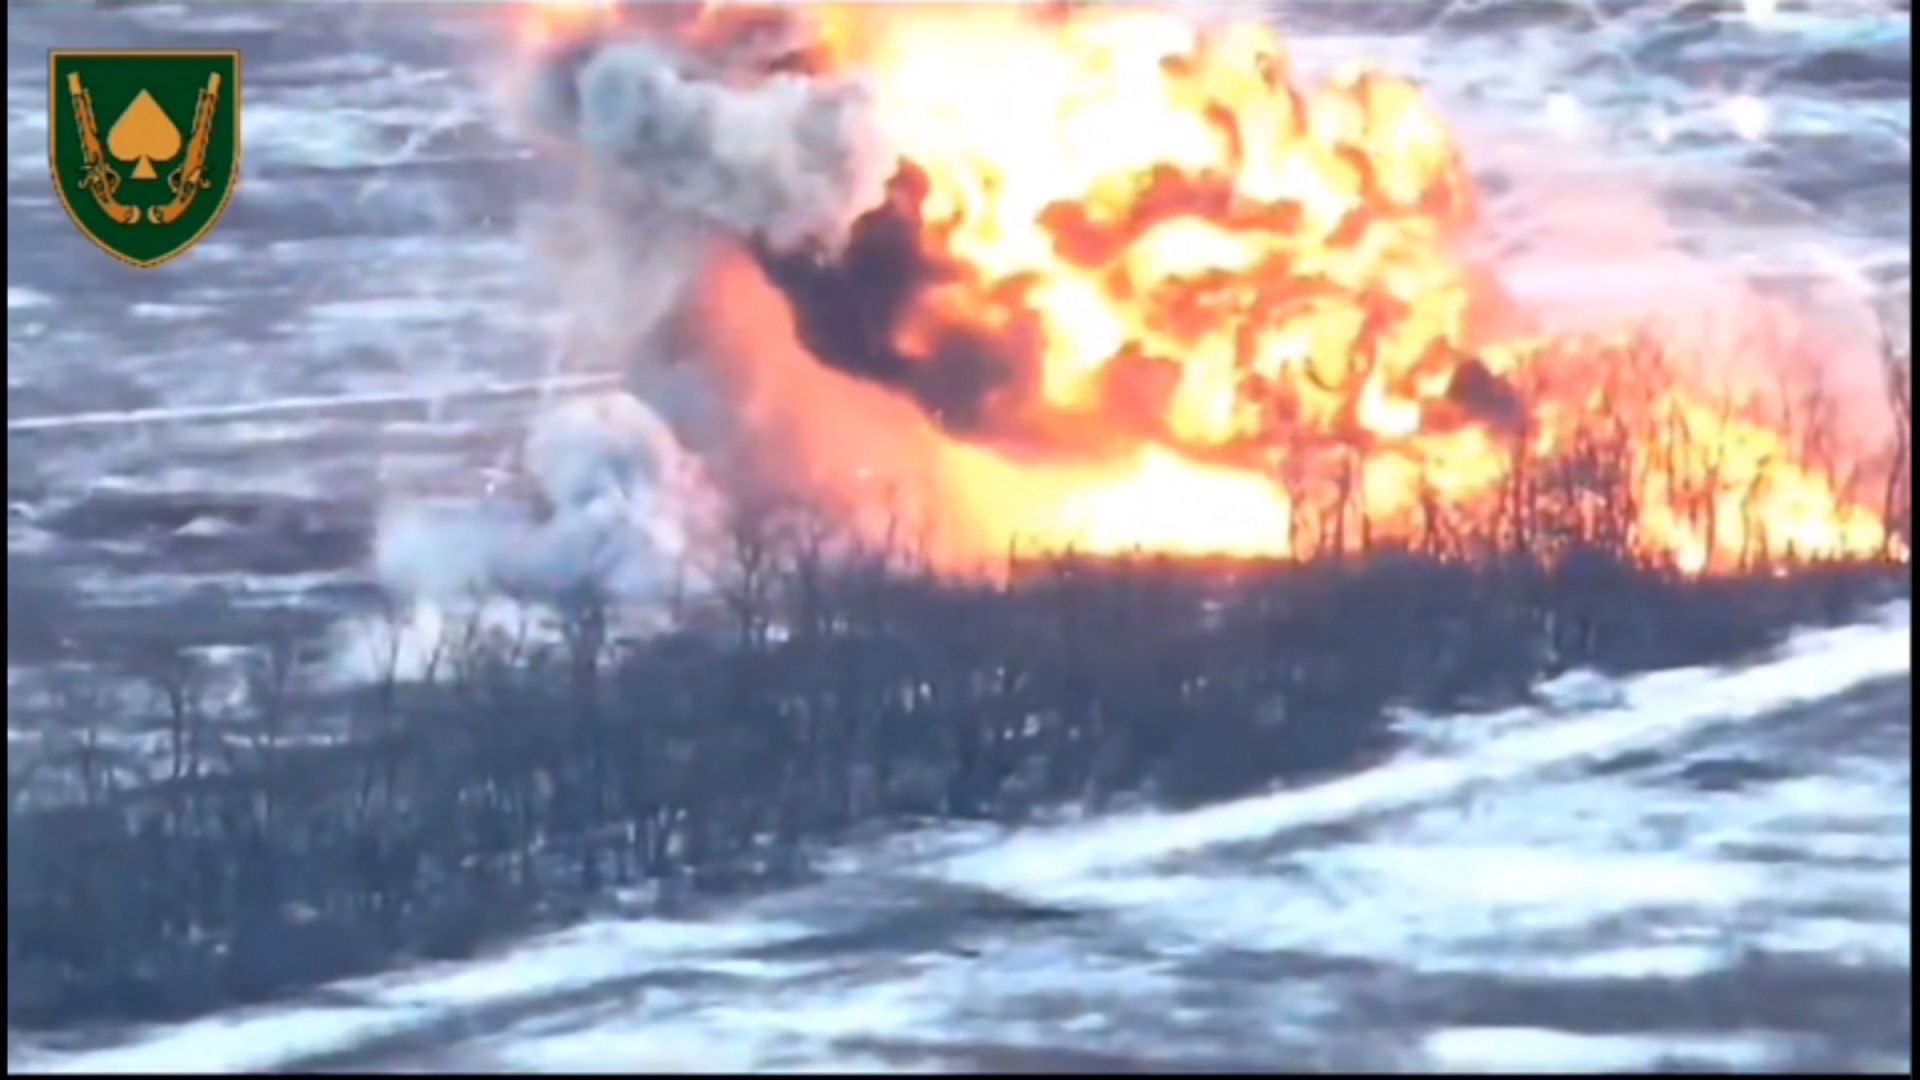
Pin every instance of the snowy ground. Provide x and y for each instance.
(1679, 870)
(1702, 877)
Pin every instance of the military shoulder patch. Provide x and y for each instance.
(144, 146)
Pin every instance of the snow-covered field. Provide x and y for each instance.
(1680, 870)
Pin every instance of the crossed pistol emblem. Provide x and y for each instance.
(186, 182)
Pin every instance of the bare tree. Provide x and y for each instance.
(1897, 500)
(79, 710)
(583, 628)
(750, 575)
(178, 679)
(23, 767)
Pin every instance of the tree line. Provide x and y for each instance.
(532, 765)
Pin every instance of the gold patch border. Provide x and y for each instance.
(53, 159)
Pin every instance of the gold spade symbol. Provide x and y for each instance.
(144, 134)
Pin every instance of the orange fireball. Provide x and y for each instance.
(1257, 283)
(1239, 321)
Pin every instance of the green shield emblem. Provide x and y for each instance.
(144, 146)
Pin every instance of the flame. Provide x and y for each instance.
(1245, 321)
(1253, 280)
(561, 20)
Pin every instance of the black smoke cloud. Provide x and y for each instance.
(847, 305)
(734, 127)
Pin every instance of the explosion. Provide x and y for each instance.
(1151, 292)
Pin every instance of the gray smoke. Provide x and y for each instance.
(686, 145)
(620, 501)
(785, 158)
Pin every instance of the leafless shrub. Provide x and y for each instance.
(1896, 360)
(829, 678)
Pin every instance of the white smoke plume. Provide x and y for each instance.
(785, 158)
(620, 500)
(687, 146)
(613, 510)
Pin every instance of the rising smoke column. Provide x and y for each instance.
(780, 157)
(696, 139)
(616, 500)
